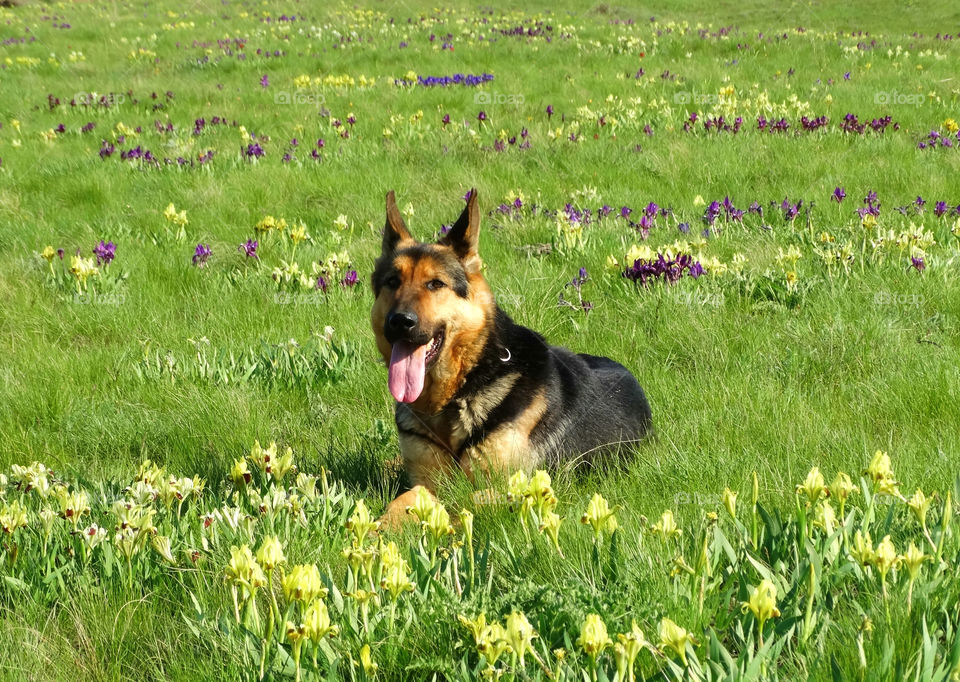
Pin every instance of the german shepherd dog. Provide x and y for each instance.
(474, 389)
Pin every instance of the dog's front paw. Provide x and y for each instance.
(393, 517)
(396, 513)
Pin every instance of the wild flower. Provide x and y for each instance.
(881, 473)
(303, 584)
(270, 554)
(105, 252)
(919, 504)
(813, 486)
(862, 548)
(282, 465)
(674, 638)
(240, 473)
(490, 639)
(83, 269)
(396, 579)
(263, 458)
(244, 575)
(13, 516)
(626, 650)
(93, 536)
(729, 499)
(161, 545)
(600, 517)
(249, 248)
(361, 523)
(550, 524)
(201, 254)
(913, 559)
(367, 663)
(762, 603)
(171, 214)
(298, 233)
(520, 634)
(72, 504)
(841, 489)
(666, 527)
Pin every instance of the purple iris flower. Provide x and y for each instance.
(322, 284)
(482, 116)
(696, 270)
(350, 279)
(790, 210)
(644, 225)
(839, 194)
(625, 211)
(668, 270)
(710, 215)
(264, 82)
(918, 263)
(549, 110)
(249, 249)
(105, 253)
(201, 255)
(255, 150)
(940, 208)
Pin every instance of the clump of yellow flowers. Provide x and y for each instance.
(265, 532)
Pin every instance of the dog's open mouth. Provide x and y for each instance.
(409, 363)
(433, 348)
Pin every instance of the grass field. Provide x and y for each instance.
(805, 157)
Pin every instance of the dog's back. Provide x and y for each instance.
(593, 404)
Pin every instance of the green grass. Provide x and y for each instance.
(743, 373)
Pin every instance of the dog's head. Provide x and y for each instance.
(433, 307)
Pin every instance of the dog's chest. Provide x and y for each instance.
(462, 419)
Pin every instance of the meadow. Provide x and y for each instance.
(753, 206)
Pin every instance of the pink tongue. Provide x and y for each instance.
(407, 371)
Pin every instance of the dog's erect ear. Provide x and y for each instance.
(395, 230)
(463, 237)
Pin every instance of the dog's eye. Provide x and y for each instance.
(435, 284)
(393, 282)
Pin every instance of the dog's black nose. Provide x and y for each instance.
(402, 322)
